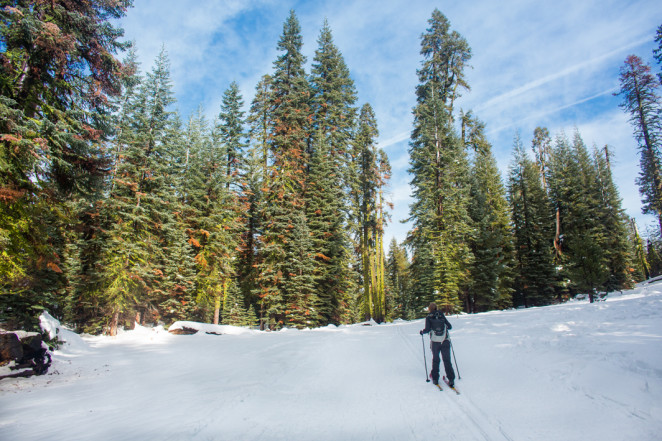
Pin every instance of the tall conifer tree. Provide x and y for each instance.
(619, 249)
(84, 308)
(57, 72)
(576, 195)
(441, 255)
(231, 135)
(285, 242)
(256, 186)
(210, 214)
(371, 171)
(147, 252)
(230, 141)
(333, 98)
(399, 279)
(641, 100)
(533, 228)
(491, 245)
(595, 247)
(332, 105)
(326, 221)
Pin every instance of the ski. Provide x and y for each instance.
(452, 387)
(436, 384)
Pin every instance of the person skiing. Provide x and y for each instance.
(438, 326)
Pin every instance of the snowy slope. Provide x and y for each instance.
(576, 371)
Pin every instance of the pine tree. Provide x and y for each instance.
(206, 211)
(588, 243)
(84, 304)
(383, 217)
(250, 226)
(572, 188)
(332, 104)
(333, 98)
(230, 141)
(614, 223)
(256, 185)
(399, 280)
(234, 312)
(542, 149)
(175, 299)
(371, 173)
(302, 304)
(326, 221)
(594, 251)
(280, 281)
(491, 245)
(57, 73)
(147, 253)
(533, 225)
(440, 170)
(231, 135)
(641, 101)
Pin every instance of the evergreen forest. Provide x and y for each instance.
(115, 210)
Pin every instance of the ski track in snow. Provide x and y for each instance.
(574, 372)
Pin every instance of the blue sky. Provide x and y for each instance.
(535, 63)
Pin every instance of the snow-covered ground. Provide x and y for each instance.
(576, 371)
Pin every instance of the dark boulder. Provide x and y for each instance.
(27, 351)
(10, 347)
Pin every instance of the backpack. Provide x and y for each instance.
(438, 332)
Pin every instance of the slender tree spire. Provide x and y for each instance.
(641, 101)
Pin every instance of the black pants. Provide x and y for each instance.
(445, 349)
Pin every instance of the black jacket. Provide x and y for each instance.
(436, 315)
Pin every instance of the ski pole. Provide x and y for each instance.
(456, 368)
(425, 360)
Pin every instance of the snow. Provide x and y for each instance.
(575, 371)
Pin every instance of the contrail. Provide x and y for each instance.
(549, 78)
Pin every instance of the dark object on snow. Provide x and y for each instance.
(28, 353)
(10, 347)
(183, 331)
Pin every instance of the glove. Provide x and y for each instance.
(421, 332)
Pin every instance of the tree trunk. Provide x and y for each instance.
(113, 324)
(217, 308)
(557, 236)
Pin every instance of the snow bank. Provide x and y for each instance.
(211, 329)
(52, 326)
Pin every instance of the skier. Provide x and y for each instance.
(438, 326)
